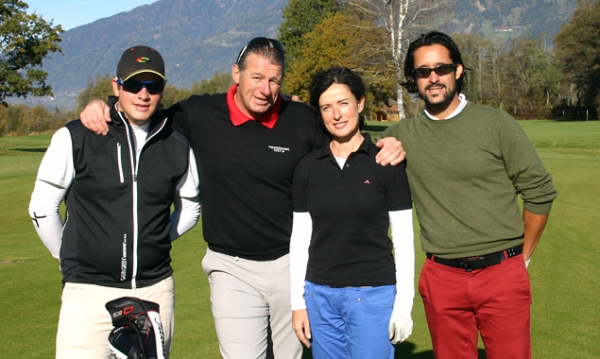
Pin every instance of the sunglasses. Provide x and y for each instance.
(260, 42)
(441, 70)
(135, 86)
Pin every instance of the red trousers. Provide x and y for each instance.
(494, 301)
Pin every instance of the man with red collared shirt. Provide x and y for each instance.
(246, 168)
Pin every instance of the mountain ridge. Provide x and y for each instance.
(194, 33)
(198, 38)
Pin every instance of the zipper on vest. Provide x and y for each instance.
(121, 177)
(134, 168)
(134, 162)
(135, 229)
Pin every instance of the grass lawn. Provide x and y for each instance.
(564, 269)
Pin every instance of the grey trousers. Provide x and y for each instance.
(251, 307)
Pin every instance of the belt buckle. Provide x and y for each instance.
(469, 264)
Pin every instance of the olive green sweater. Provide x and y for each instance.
(465, 175)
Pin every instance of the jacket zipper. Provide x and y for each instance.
(134, 204)
(134, 160)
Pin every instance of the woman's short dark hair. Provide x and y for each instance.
(428, 39)
(337, 75)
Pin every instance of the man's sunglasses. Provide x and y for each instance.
(441, 70)
(260, 42)
(135, 86)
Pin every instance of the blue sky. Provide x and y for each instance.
(73, 13)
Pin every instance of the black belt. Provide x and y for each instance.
(478, 262)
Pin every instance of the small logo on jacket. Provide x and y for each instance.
(279, 149)
(367, 182)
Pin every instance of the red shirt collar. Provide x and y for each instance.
(238, 118)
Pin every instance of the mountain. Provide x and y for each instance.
(200, 37)
(196, 38)
(492, 17)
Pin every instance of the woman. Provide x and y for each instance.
(350, 294)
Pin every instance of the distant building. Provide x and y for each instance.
(385, 113)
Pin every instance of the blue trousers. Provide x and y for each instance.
(350, 322)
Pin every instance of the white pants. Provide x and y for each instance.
(84, 322)
(251, 307)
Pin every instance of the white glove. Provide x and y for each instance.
(401, 326)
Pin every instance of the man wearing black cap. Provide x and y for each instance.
(119, 190)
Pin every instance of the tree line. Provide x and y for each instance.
(18, 120)
(531, 77)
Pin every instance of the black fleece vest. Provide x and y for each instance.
(117, 228)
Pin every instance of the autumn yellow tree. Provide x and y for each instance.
(340, 40)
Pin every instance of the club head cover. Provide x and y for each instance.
(137, 332)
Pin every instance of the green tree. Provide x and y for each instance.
(220, 82)
(474, 52)
(25, 40)
(498, 68)
(3, 121)
(299, 18)
(534, 80)
(578, 52)
(101, 88)
(171, 95)
(548, 80)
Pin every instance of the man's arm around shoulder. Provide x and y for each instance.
(95, 115)
(390, 148)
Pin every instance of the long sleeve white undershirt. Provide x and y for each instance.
(401, 223)
(55, 175)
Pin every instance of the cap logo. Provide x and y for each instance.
(142, 60)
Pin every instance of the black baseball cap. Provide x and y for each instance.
(138, 59)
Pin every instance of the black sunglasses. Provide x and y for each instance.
(135, 86)
(260, 42)
(441, 70)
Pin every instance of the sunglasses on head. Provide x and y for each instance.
(441, 70)
(260, 42)
(135, 86)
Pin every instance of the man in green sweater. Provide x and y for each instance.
(467, 165)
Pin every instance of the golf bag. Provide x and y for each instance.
(137, 332)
